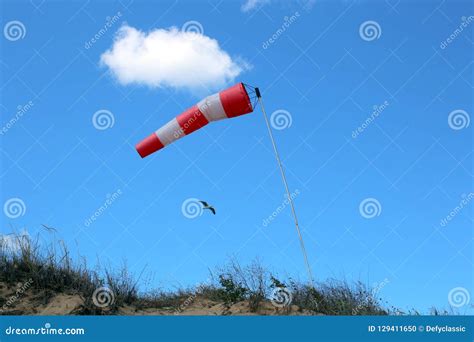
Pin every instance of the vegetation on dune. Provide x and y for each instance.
(48, 271)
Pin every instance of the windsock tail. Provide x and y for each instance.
(149, 145)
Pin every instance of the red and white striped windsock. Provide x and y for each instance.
(228, 103)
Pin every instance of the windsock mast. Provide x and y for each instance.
(283, 177)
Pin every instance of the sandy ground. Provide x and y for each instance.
(37, 303)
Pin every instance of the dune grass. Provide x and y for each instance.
(50, 271)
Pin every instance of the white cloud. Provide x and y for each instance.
(170, 58)
(252, 4)
(13, 242)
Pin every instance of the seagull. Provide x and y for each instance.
(207, 206)
(49, 229)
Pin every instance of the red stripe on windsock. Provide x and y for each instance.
(192, 119)
(229, 103)
(235, 101)
(149, 145)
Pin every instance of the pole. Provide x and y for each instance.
(283, 176)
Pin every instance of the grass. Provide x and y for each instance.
(50, 271)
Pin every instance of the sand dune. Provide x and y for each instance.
(42, 303)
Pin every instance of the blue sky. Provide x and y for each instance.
(323, 72)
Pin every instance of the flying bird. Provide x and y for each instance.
(207, 206)
(49, 229)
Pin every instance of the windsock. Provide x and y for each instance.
(234, 101)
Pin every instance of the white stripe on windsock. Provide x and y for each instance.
(228, 103)
(212, 108)
(170, 132)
